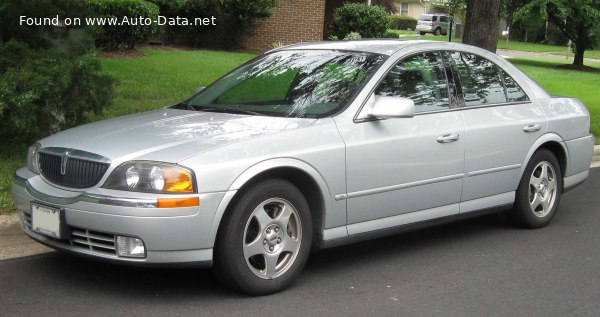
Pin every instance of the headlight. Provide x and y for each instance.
(32, 158)
(151, 177)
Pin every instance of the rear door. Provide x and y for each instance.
(501, 125)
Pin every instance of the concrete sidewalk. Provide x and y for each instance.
(547, 55)
(14, 243)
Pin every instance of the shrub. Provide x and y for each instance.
(369, 21)
(403, 23)
(113, 37)
(353, 36)
(43, 90)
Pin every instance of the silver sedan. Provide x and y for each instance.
(307, 147)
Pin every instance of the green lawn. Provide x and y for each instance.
(163, 77)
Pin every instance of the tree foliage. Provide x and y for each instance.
(49, 76)
(576, 19)
(389, 5)
(248, 11)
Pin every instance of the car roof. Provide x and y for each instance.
(379, 46)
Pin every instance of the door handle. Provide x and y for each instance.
(532, 128)
(447, 138)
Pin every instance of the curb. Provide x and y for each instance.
(596, 157)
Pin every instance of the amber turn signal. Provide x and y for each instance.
(178, 202)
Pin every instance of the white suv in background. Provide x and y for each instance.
(436, 23)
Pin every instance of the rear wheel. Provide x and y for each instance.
(539, 191)
(437, 31)
(421, 33)
(265, 238)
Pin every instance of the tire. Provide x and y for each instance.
(264, 239)
(437, 32)
(538, 194)
(421, 33)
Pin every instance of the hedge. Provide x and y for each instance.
(113, 37)
(403, 23)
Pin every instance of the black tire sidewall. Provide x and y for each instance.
(230, 264)
(522, 213)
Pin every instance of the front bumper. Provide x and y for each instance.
(93, 220)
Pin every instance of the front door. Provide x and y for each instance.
(406, 170)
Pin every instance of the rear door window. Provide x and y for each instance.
(483, 82)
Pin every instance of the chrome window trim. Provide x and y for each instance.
(463, 107)
(451, 110)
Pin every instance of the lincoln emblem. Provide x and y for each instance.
(63, 163)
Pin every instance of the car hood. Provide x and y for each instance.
(168, 135)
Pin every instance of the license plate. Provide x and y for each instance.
(45, 220)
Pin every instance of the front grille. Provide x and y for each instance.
(78, 172)
(95, 241)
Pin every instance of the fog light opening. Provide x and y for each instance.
(130, 247)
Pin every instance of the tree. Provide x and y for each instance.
(576, 19)
(482, 25)
(389, 5)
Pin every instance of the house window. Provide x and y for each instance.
(404, 9)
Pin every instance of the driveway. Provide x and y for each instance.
(479, 267)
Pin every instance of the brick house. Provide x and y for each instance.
(311, 20)
(293, 22)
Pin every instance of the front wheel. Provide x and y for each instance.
(539, 191)
(265, 238)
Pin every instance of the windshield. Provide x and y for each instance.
(425, 17)
(311, 84)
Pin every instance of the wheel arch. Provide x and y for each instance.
(555, 144)
(304, 176)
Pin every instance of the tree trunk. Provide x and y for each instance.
(482, 24)
(579, 51)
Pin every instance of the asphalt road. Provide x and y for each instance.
(480, 267)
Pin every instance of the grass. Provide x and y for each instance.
(12, 157)
(163, 77)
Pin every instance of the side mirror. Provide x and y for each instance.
(199, 89)
(392, 107)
